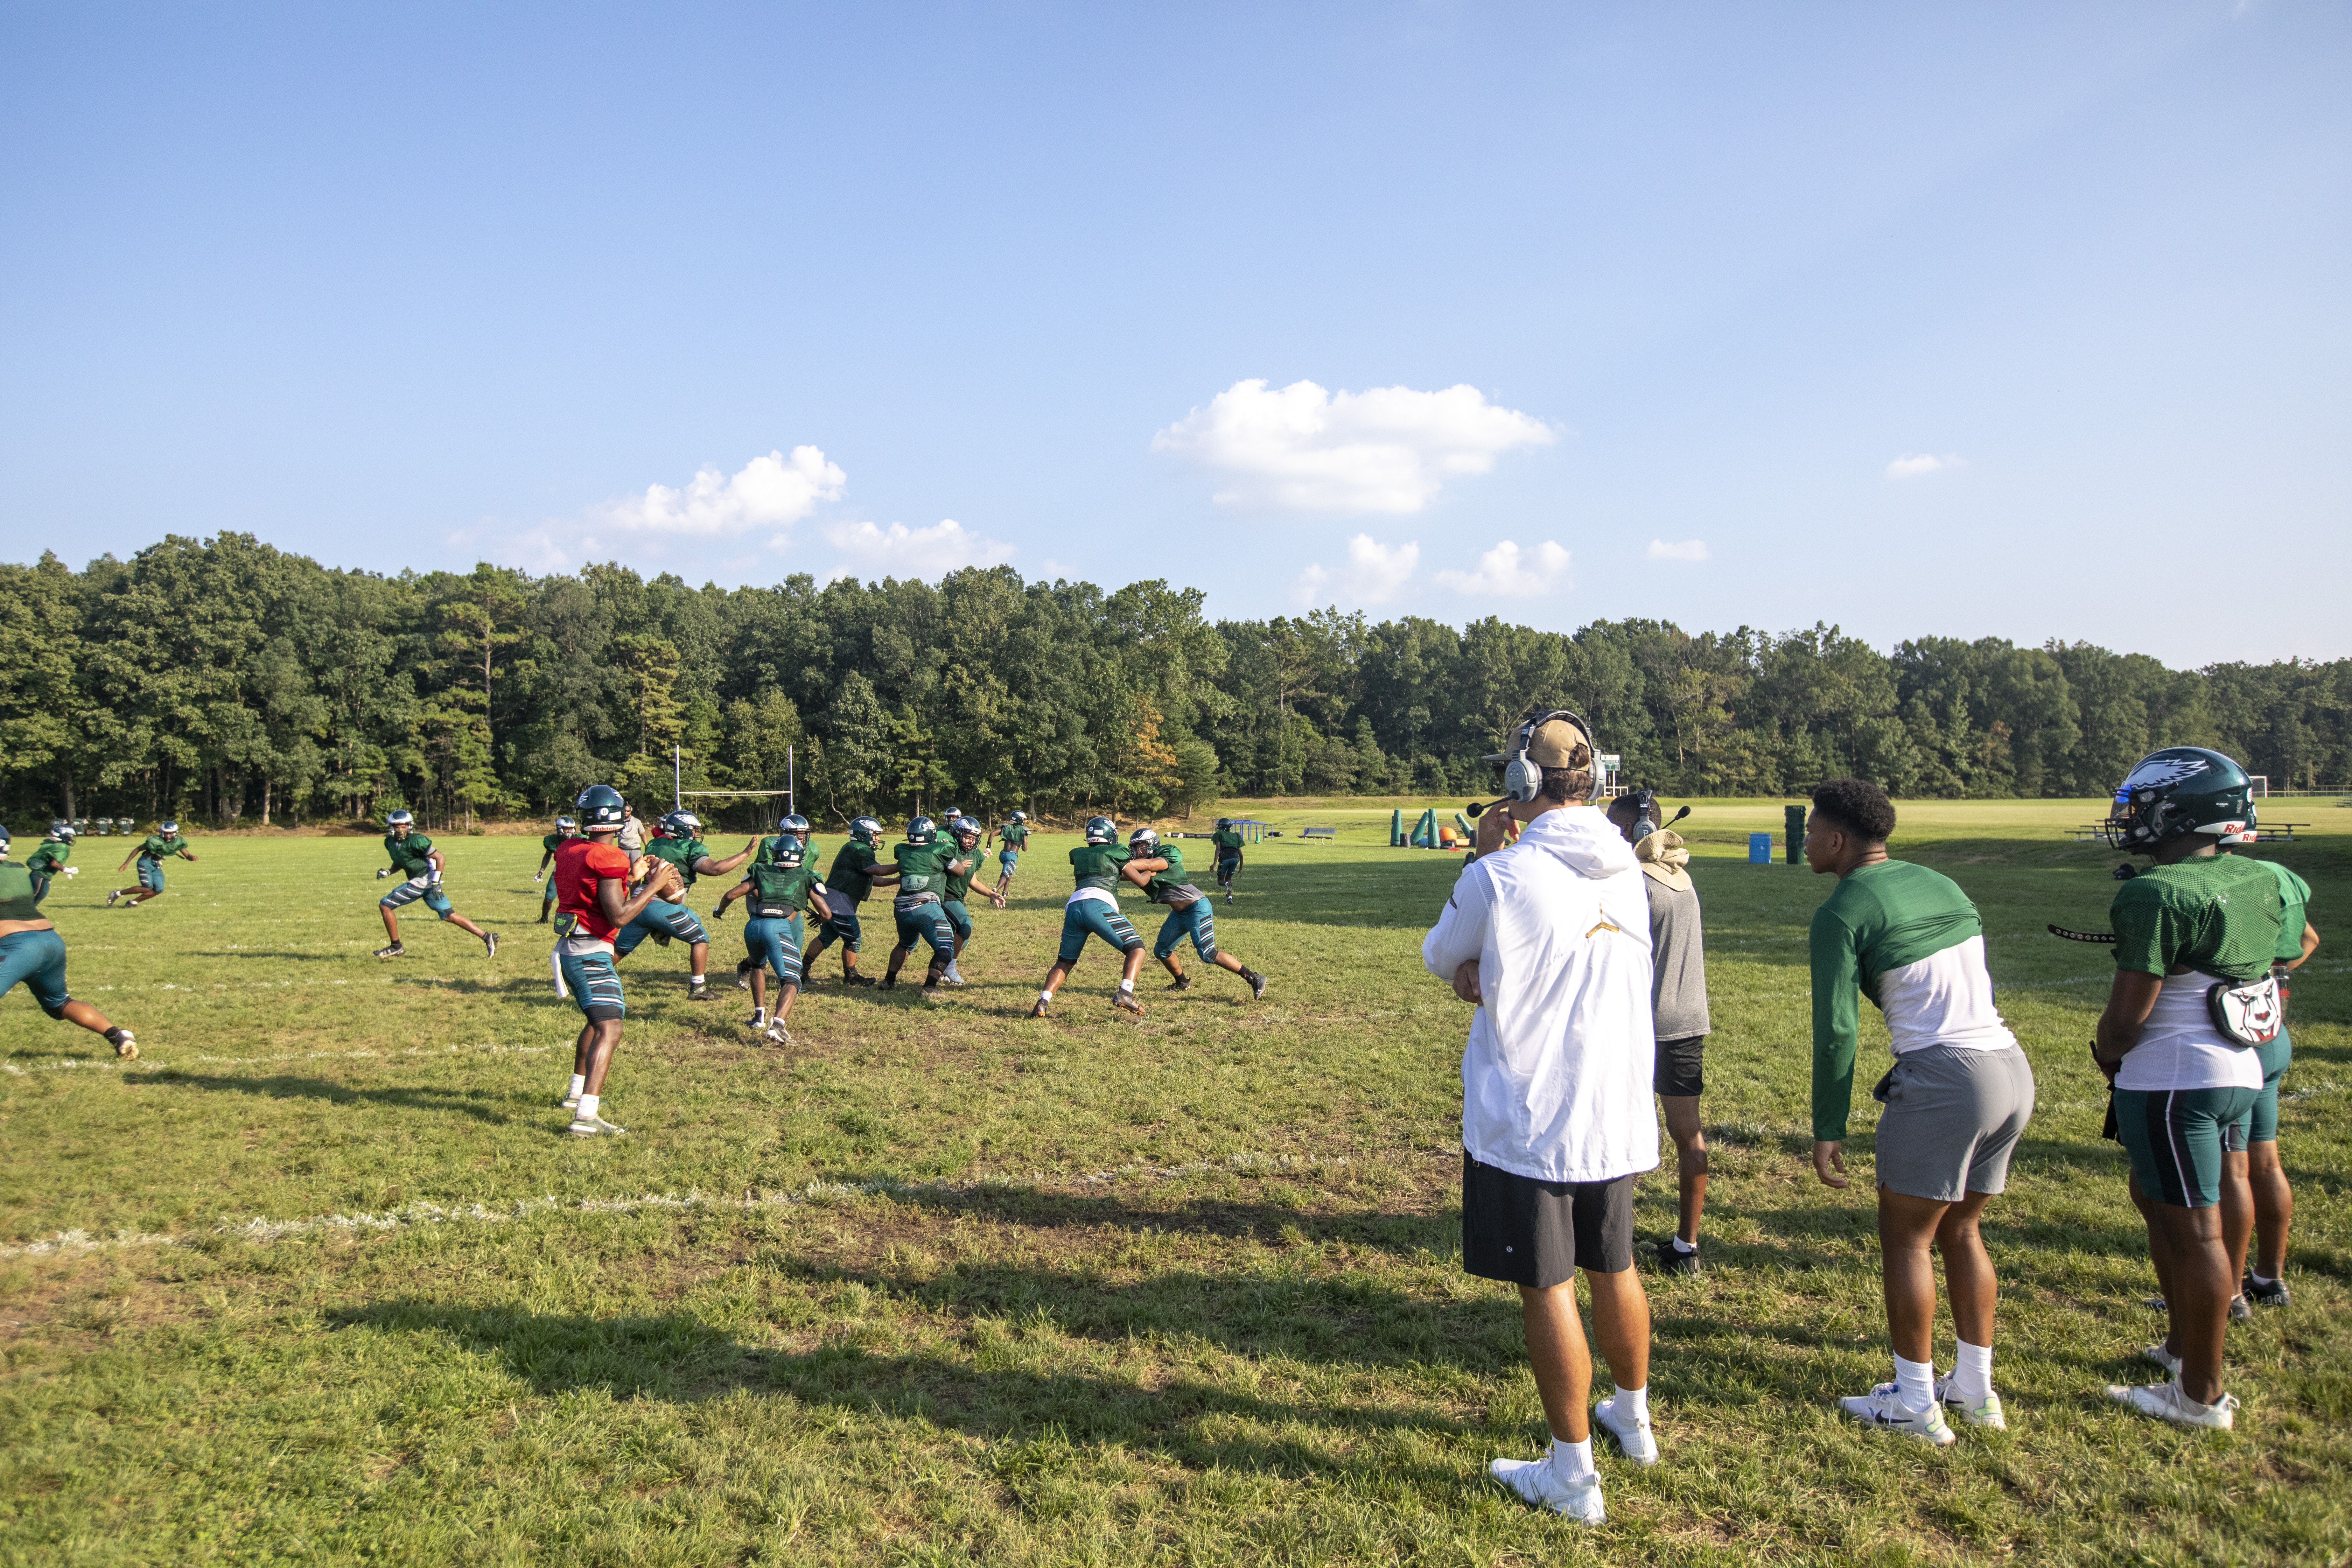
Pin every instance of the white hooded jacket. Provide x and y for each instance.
(1556, 1079)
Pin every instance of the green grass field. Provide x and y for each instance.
(319, 1278)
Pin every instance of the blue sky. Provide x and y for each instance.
(2024, 320)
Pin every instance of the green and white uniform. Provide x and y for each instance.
(1190, 913)
(661, 917)
(35, 958)
(851, 883)
(683, 853)
(1093, 910)
(774, 933)
(1228, 842)
(2184, 1089)
(2295, 895)
(413, 858)
(1013, 837)
(920, 903)
(957, 886)
(1960, 1091)
(50, 858)
(153, 852)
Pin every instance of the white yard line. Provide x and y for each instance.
(71, 1064)
(70, 1243)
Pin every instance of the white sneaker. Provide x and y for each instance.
(568, 1102)
(1634, 1438)
(1536, 1480)
(2167, 1402)
(777, 1034)
(1985, 1412)
(111, 896)
(589, 1126)
(2162, 1357)
(1883, 1407)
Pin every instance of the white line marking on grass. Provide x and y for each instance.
(70, 1064)
(72, 1243)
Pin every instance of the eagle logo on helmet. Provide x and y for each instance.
(864, 829)
(922, 830)
(794, 824)
(1142, 840)
(399, 822)
(600, 805)
(1020, 816)
(169, 829)
(2181, 790)
(681, 825)
(1101, 831)
(62, 829)
(567, 824)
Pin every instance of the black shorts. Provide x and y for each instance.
(1534, 1232)
(1677, 1070)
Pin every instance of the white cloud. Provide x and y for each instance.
(1917, 464)
(898, 551)
(766, 492)
(1375, 572)
(1389, 449)
(1688, 550)
(1507, 572)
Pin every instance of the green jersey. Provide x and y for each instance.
(1096, 866)
(1015, 835)
(554, 841)
(2294, 914)
(18, 899)
(778, 891)
(2216, 914)
(157, 847)
(1228, 841)
(682, 852)
(411, 857)
(766, 853)
(1164, 883)
(959, 883)
(1909, 938)
(55, 852)
(853, 872)
(922, 868)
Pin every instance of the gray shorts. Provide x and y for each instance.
(1953, 1119)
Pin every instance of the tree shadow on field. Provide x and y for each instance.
(286, 1087)
(538, 984)
(233, 952)
(1404, 1236)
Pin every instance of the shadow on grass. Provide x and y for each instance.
(285, 1086)
(297, 957)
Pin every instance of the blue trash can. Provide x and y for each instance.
(1760, 849)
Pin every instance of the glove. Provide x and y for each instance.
(73, 870)
(720, 913)
(382, 872)
(540, 878)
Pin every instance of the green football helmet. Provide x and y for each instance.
(600, 805)
(922, 830)
(1223, 823)
(62, 829)
(2181, 790)
(796, 824)
(168, 829)
(567, 824)
(680, 824)
(864, 829)
(787, 851)
(1020, 816)
(397, 824)
(1142, 841)
(1101, 831)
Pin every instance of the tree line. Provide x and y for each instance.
(230, 682)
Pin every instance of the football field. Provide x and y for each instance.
(320, 1277)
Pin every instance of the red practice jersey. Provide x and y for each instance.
(581, 864)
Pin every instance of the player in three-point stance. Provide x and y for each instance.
(1158, 869)
(153, 851)
(32, 951)
(777, 887)
(1015, 836)
(850, 881)
(566, 829)
(678, 843)
(1093, 910)
(1227, 839)
(592, 904)
(413, 857)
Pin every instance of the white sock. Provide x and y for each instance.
(1045, 995)
(2264, 1280)
(1972, 1377)
(1573, 1461)
(579, 1082)
(1914, 1384)
(588, 1103)
(1127, 985)
(1682, 1245)
(1633, 1404)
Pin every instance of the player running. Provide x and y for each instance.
(414, 856)
(779, 887)
(50, 858)
(1014, 836)
(791, 830)
(1227, 839)
(1957, 1099)
(676, 845)
(1093, 910)
(2272, 1209)
(157, 848)
(851, 883)
(920, 905)
(566, 829)
(593, 905)
(963, 863)
(1158, 869)
(2192, 1000)
(32, 951)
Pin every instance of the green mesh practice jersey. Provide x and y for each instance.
(1096, 866)
(779, 891)
(959, 883)
(55, 852)
(157, 847)
(853, 872)
(2217, 914)
(1228, 841)
(2294, 914)
(922, 868)
(1173, 877)
(554, 841)
(16, 900)
(1013, 834)
(682, 852)
(411, 857)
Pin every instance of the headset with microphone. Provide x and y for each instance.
(1522, 774)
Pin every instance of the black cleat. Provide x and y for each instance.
(490, 942)
(699, 992)
(395, 950)
(1182, 983)
(1039, 1010)
(1672, 1259)
(2273, 1294)
(2239, 1310)
(858, 980)
(1256, 984)
(889, 982)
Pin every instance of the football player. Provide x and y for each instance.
(963, 864)
(565, 828)
(593, 905)
(32, 951)
(1158, 869)
(50, 858)
(677, 845)
(778, 888)
(791, 831)
(850, 882)
(1228, 841)
(920, 907)
(1016, 837)
(2195, 930)
(1093, 910)
(414, 858)
(153, 851)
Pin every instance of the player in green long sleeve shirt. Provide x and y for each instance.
(1958, 1098)
(157, 847)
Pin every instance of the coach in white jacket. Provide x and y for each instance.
(1550, 939)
